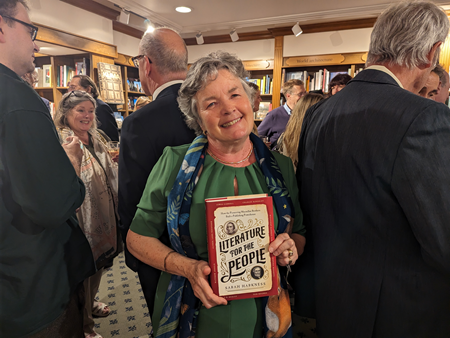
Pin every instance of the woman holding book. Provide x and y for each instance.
(226, 159)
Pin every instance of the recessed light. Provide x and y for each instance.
(183, 9)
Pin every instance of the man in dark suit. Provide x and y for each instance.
(374, 181)
(103, 112)
(162, 63)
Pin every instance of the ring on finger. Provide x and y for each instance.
(291, 253)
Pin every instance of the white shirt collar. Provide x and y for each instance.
(387, 71)
(164, 86)
(286, 107)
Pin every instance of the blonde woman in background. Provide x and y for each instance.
(98, 214)
(288, 142)
(142, 101)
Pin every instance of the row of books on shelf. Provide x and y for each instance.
(319, 80)
(44, 76)
(134, 85)
(63, 74)
(265, 84)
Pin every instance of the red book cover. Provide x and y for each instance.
(240, 229)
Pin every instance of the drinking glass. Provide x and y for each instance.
(113, 150)
(64, 133)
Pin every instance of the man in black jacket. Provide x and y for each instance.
(374, 183)
(44, 255)
(103, 112)
(162, 63)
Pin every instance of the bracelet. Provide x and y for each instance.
(165, 259)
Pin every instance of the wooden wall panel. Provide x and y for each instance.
(61, 38)
(278, 63)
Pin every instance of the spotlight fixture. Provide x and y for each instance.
(297, 30)
(199, 38)
(150, 27)
(124, 17)
(183, 9)
(234, 36)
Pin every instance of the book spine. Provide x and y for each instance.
(211, 239)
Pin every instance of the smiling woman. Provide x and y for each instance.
(98, 213)
(226, 159)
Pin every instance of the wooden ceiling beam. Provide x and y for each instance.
(125, 29)
(95, 7)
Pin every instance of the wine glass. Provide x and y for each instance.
(64, 133)
(113, 150)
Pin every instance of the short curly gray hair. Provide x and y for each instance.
(202, 72)
(405, 33)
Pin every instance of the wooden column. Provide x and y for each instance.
(277, 64)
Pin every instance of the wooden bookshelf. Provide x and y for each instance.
(312, 65)
(262, 71)
(55, 92)
(128, 72)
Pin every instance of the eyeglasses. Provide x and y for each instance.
(34, 29)
(136, 60)
(301, 94)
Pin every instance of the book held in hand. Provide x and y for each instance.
(240, 229)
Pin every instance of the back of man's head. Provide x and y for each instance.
(9, 8)
(166, 50)
(440, 71)
(406, 32)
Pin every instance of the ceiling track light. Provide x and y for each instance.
(234, 35)
(124, 17)
(297, 30)
(199, 38)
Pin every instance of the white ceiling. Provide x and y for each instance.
(214, 17)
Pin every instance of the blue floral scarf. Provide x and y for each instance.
(181, 307)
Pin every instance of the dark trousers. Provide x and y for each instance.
(149, 277)
(70, 323)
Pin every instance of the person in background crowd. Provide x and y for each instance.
(98, 213)
(256, 95)
(44, 255)
(431, 87)
(338, 83)
(287, 144)
(226, 160)
(162, 63)
(444, 85)
(373, 178)
(142, 101)
(103, 112)
(275, 122)
(32, 78)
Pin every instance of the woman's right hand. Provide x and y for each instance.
(72, 148)
(197, 274)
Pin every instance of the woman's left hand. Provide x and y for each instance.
(284, 248)
(115, 159)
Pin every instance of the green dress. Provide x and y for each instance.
(240, 318)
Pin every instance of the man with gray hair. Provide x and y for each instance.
(44, 255)
(374, 188)
(162, 63)
(444, 85)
